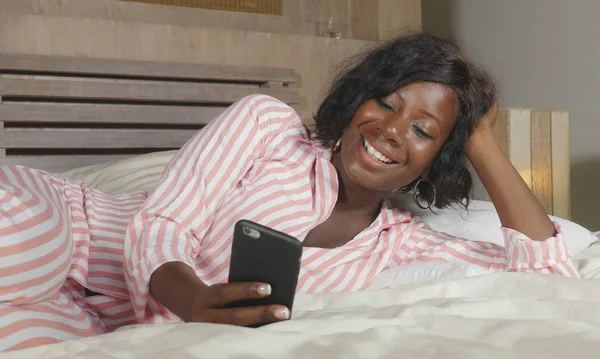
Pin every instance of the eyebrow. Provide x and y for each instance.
(428, 114)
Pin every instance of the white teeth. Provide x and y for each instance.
(376, 154)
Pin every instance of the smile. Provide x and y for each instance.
(378, 156)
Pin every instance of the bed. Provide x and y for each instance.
(503, 315)
(116, 124)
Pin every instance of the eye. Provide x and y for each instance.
(421, 133)
(384, 105)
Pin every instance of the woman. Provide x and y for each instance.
(76, 262)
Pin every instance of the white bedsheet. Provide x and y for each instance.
(504, 315)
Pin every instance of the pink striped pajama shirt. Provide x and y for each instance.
(255, 161)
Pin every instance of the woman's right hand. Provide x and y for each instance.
(210, 305)
(176, 286)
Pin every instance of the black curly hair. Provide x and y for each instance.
(416, 57)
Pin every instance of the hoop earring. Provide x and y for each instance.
(336, 148)
(337, 145)
(416, 195)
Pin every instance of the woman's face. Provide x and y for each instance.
(391, 142)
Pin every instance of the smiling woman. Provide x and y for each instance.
(429, 82)
(409, 114)
(399, 135)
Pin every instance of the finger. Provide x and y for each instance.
(246, 316)
(222, 294)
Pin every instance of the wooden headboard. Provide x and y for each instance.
(58, 113)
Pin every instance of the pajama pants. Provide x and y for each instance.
(44, 256)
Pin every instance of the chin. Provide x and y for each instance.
(366, 180)
(376, 181)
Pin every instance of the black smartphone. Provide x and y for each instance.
(262, 254)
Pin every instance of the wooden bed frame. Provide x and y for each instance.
(59, 113)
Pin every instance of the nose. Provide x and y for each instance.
(393, 130)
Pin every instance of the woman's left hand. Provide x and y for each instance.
(483, 130)
(489, 119)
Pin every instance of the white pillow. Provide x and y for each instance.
(424, 272)
(134, 174)
(481, 223)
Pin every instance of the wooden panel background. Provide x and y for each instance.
(313, 58)
(396, 16)
(356, 19)
(267, 7)
(537, 143)
(137, 31)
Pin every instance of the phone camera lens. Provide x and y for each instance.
(251, 232)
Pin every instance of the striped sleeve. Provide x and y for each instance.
(520, 253)
(176, 216)
(549, 256)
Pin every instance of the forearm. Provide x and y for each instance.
(516, 205)
(175, 285)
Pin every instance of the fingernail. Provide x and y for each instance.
(282, 313)
(264, 289)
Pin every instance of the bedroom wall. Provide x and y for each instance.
(544, 54)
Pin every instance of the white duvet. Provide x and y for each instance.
(504, 315)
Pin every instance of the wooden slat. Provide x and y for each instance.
(58, 164)
(123, 90)
(142, 69)
(58, 138)
(117, 114)
(561, 165)
(541, 159)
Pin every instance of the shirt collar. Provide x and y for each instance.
(322, 151)
(391, 215)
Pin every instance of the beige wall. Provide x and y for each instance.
(300, 17)
(544, 54)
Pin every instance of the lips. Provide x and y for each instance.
(376, 155)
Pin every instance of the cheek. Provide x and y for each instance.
(422, 152)
(351, 154)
